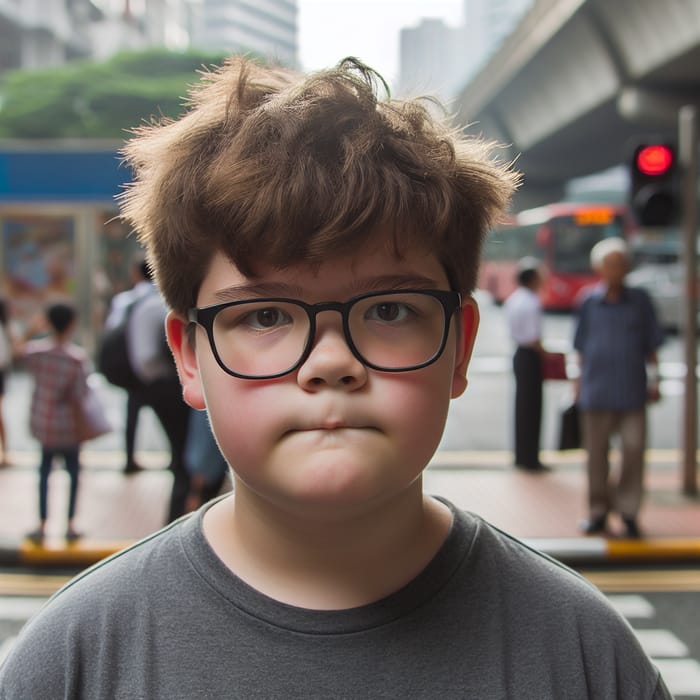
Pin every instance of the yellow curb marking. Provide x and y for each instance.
(662, 580)
(78, 553)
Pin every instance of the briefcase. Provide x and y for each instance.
(570, 437)
(553, 365)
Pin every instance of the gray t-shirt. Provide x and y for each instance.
(487, 618)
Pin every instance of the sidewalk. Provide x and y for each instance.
(543, 509)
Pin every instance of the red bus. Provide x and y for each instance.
(561, 236)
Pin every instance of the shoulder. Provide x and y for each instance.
(149, 306)
(542, 587)
(515, 296)
(549, 611)
(520, 572)
(589, 296)
(38, 347)
(109, 584)
(75, 353)
(639, 295)
(87, 624)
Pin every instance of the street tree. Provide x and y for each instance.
(85, 99)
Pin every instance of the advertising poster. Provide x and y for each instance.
(38, 254)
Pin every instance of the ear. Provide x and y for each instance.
(185, 360)
(467, 328)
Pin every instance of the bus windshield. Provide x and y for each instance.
(561, 235)
(572, 242)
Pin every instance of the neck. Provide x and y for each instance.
(61, 338)
(613, 292)
(329, 561)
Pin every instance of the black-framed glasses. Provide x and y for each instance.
(392, 331)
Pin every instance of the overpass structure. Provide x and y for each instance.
(579, 81)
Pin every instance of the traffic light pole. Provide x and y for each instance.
(688, 155)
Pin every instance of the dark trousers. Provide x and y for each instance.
(133, 406)
(164, 396)
(71, 461)
(528, 406)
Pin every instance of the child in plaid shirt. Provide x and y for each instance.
(60, 380)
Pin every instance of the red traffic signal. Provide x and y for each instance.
(655, 160)
(653, 194)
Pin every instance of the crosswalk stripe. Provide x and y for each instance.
(632, 606)
(661, 644)
(18, 609)
(682, 676)
(5, 648)
(667, 651)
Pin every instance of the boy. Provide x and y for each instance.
(317, 248)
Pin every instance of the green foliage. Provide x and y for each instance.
(99, 100)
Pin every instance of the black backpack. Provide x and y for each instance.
(113, 354)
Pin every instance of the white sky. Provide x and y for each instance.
(369, 29)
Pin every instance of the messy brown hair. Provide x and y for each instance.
(269, 166)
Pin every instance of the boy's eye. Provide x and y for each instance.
(265, 318)
(389, 312)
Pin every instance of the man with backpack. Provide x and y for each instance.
(113, 360)
(147, 372)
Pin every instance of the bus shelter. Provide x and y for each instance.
(59, 235)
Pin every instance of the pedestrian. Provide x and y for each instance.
(318, 247)
(523, 310)
(141, 286)
(204, 462)
(159, 387)
(59, 368)
(5, 364)
(617, 335)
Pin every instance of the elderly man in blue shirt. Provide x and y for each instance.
(617, 336)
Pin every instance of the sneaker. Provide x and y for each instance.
(73, 535)
(36, 536)
(132, 468)
(593, 526)
(537, 468)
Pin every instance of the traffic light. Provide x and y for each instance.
(654, 196)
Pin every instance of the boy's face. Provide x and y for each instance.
(333, 434)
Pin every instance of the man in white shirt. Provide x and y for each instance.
(524, 316)
(142, 286)
(153, 362)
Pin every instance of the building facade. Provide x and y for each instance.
(486, 24)
(438, 59)
(39, 33)
(430, 60)
(44, 33)
(264, 27)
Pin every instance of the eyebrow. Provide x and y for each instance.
(293, 291)
(391, 282)
(239, 292)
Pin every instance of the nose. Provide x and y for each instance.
(331, 363)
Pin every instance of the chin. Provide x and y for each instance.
(338, 482)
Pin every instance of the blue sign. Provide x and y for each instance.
(64, 176)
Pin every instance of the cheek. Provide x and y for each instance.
(416, 406)
(237, 410)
